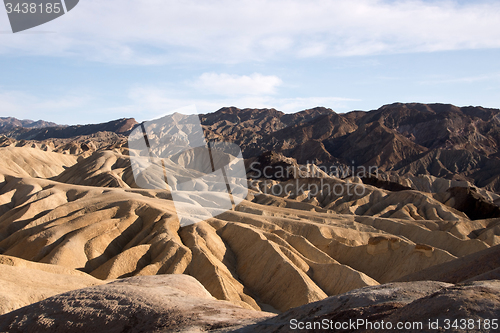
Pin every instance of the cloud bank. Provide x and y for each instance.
(222, 31)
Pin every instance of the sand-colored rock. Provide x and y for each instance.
(115, 233)
(104, 168)
(23, 283)
(272, 264)
(111, 169)
(33, 162)
(349, 197)
(347, 242)
(90, 218)
(54, 269)
(214, 264)
(482, 265)
(423, 234)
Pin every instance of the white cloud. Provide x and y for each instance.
(224, 31)
(230, 85)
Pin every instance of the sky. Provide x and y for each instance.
(112, 59)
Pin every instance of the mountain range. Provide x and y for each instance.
(9, 123)
(441, 140)
(400, 140)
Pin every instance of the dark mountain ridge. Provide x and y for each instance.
(119, 126)
(442, 140)
(9, 123)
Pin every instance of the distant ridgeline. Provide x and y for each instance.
(441, 140)
(41, 130)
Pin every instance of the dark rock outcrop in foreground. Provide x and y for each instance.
(411, 303)
(163, 303)
(179, 303)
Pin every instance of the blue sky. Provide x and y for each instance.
(145, 58)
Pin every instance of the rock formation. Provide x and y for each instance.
(165, 303)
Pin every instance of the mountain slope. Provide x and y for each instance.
(9, 123)
(411, 139)
(120, 126)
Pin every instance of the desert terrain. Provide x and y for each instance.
(412, 234)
